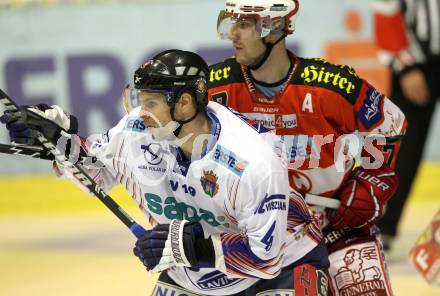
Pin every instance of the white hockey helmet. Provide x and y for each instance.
(262, 12)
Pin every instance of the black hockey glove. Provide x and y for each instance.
(50, 121)
(19, 131)
(180, 243)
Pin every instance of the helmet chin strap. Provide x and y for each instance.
(172, 129)
(181, 122)
(269, 47)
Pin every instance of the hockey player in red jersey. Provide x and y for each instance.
(317, 107)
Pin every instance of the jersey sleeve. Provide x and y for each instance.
(261, 212)
(375, 116)
(391, 36)
(106, 148)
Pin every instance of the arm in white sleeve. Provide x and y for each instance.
(261, 212)
(108, 149)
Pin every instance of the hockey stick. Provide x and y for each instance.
(29, 151)
(322, 201)
(77, 171)
(41, 153)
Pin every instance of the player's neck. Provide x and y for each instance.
(276, 66)
(201, 125)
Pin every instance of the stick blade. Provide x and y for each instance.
(8, 103)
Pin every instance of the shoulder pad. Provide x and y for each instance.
(225, 72)
(320, 73)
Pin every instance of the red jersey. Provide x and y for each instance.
(317, 112)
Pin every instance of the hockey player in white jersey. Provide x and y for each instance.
(213, 186)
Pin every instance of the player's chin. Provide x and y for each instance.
(150, 126)
(242, 59)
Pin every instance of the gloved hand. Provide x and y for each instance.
(363, 198)
(19, 131)
(168, 245)
(23, 126)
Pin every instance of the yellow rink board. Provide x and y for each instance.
(56, 240)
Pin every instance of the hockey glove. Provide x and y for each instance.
(169, 245)
(23, 126)
(363, 198)
(19, 131)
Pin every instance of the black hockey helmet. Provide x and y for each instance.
(173, 72)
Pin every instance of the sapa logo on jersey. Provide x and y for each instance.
(173, 209)
(229, 160)
(215, 280)
(272, 121)
(134, 124)
(370, 113)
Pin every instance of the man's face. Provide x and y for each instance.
(154, 109)
(247, 44)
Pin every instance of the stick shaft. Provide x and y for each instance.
(322, 201)
(29, 151)
(80, 174)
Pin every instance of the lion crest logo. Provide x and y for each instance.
(209, 183)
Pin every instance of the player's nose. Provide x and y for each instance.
(145, 115)
(233, 34)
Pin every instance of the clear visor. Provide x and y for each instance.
(133, 97)
(229, 23)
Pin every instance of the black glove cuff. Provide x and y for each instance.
(73, 129)
(198, 250)
(205, 253)
(190, 233)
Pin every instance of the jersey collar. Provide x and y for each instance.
(182, 164)
(256, 94)
(214, 133)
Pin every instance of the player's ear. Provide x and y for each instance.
(277, 25)
(185, 99)
(186, 103)
(276, 30)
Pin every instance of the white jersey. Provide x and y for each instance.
(237, 191)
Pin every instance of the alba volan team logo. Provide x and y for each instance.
(153, 153)
(209, 183)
